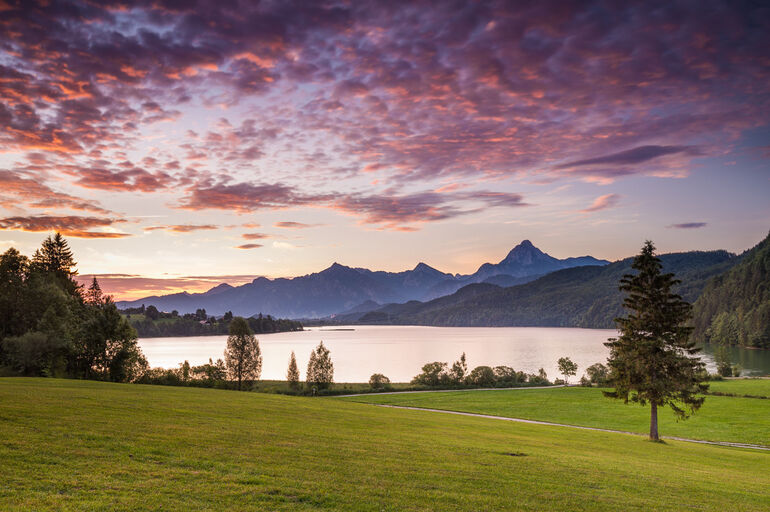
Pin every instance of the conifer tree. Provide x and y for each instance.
(292, 375)
(653, 359)
(94, 296)
(55, 258)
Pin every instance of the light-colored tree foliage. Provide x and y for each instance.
(320, 369)
(292, 374)
(242, 355)
(567, 368)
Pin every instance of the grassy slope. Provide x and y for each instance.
(721, 418)
(74, 445)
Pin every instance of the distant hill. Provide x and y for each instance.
(356, 290)
(734, 308)
(585, 296)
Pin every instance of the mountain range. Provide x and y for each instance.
(359, 290)
(586, 296)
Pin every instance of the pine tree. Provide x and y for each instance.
(653, 359)
(242, 355)
(94, 296)
(292, 375)
(55, 257)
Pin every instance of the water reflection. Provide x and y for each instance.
(400, 351)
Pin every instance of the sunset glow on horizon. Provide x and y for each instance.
(181, 146)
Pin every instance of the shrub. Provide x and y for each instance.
(597, 374)
(505, 376)
(433, 374)
(379, 381)
(541, 379)
(482, 376)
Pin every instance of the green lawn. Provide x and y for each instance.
(76, 445)
(282, 386)
(752, 387)
(742, 420)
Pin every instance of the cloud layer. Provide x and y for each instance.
(366, 108)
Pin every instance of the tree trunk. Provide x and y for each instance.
(654, 422)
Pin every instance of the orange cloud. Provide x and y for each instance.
(67, 225)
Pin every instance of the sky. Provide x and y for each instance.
(178, 145)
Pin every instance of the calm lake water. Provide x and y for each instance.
(400, 351)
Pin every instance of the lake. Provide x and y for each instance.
(400, 351)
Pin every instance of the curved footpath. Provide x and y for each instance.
(549, 423)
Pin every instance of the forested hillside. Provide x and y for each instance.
(576, 297)
(734, 308)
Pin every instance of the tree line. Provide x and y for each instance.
(151, 323)
(53, 326)
(241, 368)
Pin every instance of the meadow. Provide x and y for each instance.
(84, 445)
(721, 418)
(742, 387)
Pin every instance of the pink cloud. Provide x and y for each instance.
(603, 203)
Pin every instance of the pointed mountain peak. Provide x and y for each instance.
(423, 267)
(334, 268)
(524, 250)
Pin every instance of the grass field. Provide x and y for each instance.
(742, 420)
(282, 386)
(77, 445)
(750, 387)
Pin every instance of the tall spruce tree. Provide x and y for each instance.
(55, 258)
(292, 375)
(653, 359)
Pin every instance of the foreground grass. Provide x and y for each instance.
(741, 420)
(75, 445)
